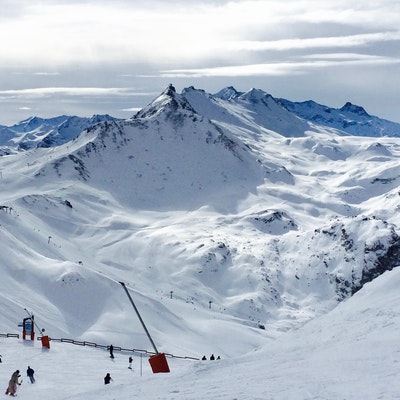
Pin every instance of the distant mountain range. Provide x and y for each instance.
(265, 112)
(41, 132)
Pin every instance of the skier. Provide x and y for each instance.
(108, 379)
(111, 348)
(130, 362)
(212, 357)
(12, 384)
(30, 373)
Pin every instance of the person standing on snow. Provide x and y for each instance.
(111, 348)
(30, 373)
(12, 384)
(130, 362)
(108, 379)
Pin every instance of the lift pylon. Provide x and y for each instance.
(158, 362)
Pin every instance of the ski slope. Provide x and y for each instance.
(352, 352)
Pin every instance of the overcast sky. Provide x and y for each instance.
(95, 57)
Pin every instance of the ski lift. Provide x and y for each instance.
(158, 362)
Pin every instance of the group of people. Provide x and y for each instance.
(15, 382)
(212, 357)
(107, 378)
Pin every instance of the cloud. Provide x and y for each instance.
(367, 58)
(316, 42)
(132, 109)
(59, 33)
(46, 73)
(70, 91)
(284, 68)
(66, 34)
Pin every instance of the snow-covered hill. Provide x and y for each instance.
(350, 118)
(231, 220)
(41, 132)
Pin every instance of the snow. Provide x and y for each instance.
(232, 238)
(350, 118)
(351, 352)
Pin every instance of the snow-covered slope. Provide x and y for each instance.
(218, 220)
(254, 111)
(41, 132)
(350, 353)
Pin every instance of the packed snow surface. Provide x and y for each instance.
(352, 352)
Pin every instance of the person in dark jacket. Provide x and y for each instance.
(29, 373)
(111, 348)
(108, 379)
(130, 362)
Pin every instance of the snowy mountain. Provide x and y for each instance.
(255, 110)
(232, 220)
(350, 118)
(41, 132)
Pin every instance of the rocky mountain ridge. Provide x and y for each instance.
(269, 112)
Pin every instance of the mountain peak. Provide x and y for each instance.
(254, 95)
(169, 101)
(353, 108)
(228, 93)
(169, 90)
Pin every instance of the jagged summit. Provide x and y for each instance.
(254, 95)
(169, 90)
(351, 119)
(349, 107)
(169, 102)
(35, 122)
(36, 132)
(192, 89)
(166, 145)
(228, 93)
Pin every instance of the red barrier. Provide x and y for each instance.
(159, 363)
(45, 341)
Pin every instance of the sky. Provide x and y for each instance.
(96, 57)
